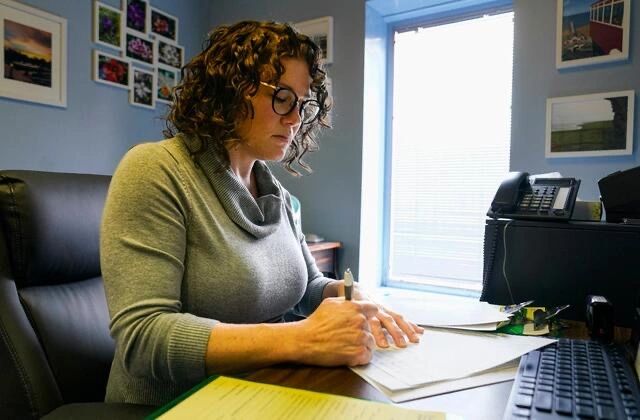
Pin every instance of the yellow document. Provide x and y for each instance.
(229, 398)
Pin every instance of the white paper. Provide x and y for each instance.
(500, 373)
(447, 313)
(446, 354)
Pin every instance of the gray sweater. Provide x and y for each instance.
(184, 246)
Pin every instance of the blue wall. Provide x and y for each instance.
(535, 78)
(98, 125)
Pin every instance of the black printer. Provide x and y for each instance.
(620, 195)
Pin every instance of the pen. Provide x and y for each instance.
(348, 284)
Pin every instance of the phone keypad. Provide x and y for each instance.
(539, 199)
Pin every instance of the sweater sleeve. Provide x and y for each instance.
(143, 239)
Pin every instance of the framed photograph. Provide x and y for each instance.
(168, 54)
(167, 80)
(33, 62)
(590, 125)
(164, 25)
(139, 48)
(108, 29)
(143, 88)
(111, 70)
(137, 16)
(321, 31)
(591, 32)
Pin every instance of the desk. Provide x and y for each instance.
(326, 256)
(485, 402)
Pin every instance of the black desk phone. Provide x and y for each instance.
(543, 199)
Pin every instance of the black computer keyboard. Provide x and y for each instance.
(575, 379)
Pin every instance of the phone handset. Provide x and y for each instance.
(509, 193)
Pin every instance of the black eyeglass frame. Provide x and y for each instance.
(302, 103)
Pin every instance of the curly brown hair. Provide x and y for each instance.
(213, 97)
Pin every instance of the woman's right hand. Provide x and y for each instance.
(337, 333)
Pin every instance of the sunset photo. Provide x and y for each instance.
(27, 54)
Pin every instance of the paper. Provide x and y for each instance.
(500, 373)
(231, 398)
(448, 313)
(445, 354)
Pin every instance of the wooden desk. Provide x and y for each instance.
(326, 256)
(485, 402)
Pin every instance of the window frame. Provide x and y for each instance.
(452, 16)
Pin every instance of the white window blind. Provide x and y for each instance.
(449, 149)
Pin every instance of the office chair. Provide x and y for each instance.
(55, 347)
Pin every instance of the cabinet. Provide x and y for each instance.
(326, 256)
(557, 263)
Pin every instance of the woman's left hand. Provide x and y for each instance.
(386, 322)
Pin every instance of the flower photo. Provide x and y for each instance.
(142, 91)
(107, 25)
(167, 80)
(136, 13)
(169, 54)
(138, 48)
(111, 70)
(164, 25)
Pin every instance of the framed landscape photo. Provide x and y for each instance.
(321, 31)
(168, 54)
(164, 25)
(600, 124)
(167, 80)
(136, 14)
(143, 88)
(111, 70)
(108, 29)
(591, 32)
(33, 60)
(139, 48)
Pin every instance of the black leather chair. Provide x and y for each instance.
(55, 347)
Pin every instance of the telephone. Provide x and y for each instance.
(543, 198)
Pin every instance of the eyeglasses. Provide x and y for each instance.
(284, 100)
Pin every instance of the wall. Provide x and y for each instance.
(535, 78)
(330, 197)
(98, 125)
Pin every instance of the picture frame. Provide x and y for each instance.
(136, 15)
(591, 32)
(599, 124)
(36, 70)
(142, 90)
(108, 28)
(167, 79)
(163, 25)
(168, 54)
(138, 48)
(320, 30)
(111, 70)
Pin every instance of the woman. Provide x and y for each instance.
(200, 255)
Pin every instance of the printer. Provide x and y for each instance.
(620, 195)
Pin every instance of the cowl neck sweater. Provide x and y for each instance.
(259, 217)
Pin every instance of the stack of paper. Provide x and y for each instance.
(463, 314)
(469, 358)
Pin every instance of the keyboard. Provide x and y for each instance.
(579, 379)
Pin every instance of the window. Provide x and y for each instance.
(448, 151)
